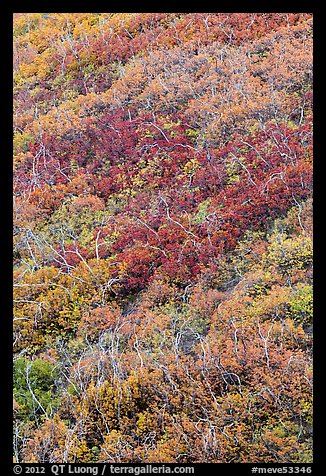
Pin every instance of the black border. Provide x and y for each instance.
(171, 6)
(6, 247)
(6, 190)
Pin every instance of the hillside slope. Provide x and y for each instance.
(162, 237)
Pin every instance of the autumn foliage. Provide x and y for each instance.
(163, 237)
